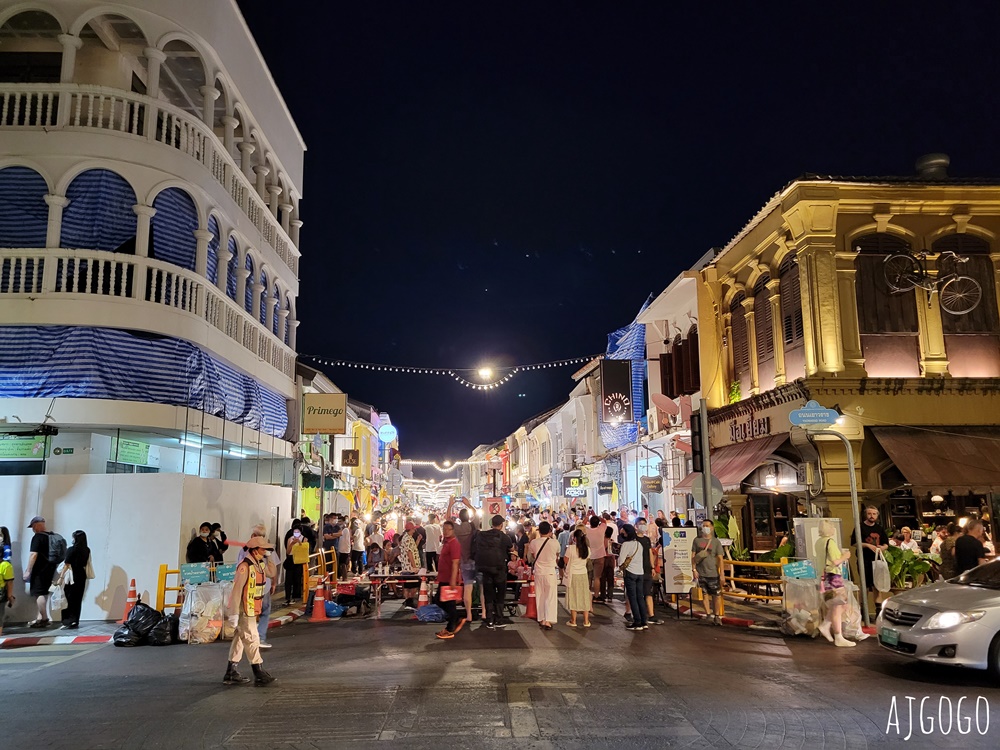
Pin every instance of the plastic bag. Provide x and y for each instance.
(57, 600)
(125, 636)
(206, 613)
(184, 621)
(142, 618)
(851, 621)
(228, 627)
(431, 613)
(802, 612)
(160, 635)
(334, 610)
(880, 573)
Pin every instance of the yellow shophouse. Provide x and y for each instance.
(876, 296)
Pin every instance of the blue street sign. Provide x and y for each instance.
(813, 414)
(799, 569)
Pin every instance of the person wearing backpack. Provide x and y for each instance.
(492, 550)
(47, 552)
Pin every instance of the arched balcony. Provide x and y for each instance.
(99, 243)
(105, 76)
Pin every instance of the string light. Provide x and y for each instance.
(453, 373)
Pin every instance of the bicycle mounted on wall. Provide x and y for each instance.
(959, 294)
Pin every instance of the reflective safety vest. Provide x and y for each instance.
(253, 590)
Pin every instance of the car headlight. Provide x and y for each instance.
(943, 620)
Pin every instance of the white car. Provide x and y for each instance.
(954, 622)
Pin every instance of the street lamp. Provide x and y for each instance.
(486, 373)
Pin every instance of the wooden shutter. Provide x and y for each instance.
(762, 320)
(667, 376)
(791, 304)
(741, 344)
(692, 380)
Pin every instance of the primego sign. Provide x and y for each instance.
(324, 414)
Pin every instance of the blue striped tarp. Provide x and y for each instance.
(108, 363)
(212, 267)
(263, 299)
(99, 214)
(174, 225)
(275, 317)
(234, 264)
(24, 215)
(248, 296)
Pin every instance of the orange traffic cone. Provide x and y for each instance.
(424, 598)
(130, 602)
(530, 611)
(319, 603)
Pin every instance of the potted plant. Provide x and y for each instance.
(906, 568)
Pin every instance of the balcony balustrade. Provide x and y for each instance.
(82, 107)
(42, 274)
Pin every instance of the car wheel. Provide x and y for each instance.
(994, 665)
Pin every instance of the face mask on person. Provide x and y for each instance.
(706, 530)
(204, 535)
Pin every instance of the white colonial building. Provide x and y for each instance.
(150, 178)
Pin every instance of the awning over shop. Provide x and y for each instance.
(734, 463)
(945, 459)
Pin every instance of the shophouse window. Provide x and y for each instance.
(678, 351)
(667, 387)
(762, 319)
(692, 371)
(791, 303)
(972, 340)
(515, 452)
(741, 344)
(887, 320)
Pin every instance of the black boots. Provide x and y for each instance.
(263, 678)
(233, 677)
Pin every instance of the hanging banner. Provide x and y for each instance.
(324, 413)
(616, 391)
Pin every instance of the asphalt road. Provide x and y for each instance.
(368, 684)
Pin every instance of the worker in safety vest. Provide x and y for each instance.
(245, 605)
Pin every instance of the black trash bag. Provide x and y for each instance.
(125, 636)
(161, 635)
(142, 618)
(175, 626)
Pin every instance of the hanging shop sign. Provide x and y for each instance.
(616, 391)
(605, 488)
(387, 433)
(651, 485)
(574, 487)
(324, 413)
(350, 457)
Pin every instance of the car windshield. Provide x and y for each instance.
(985, 576)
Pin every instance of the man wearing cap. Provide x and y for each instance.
(40, 571)
(247, 599)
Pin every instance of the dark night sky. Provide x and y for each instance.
(507, 182)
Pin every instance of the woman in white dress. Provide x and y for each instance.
(543, 553)
(578, 594)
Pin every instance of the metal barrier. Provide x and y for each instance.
(754, 583)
